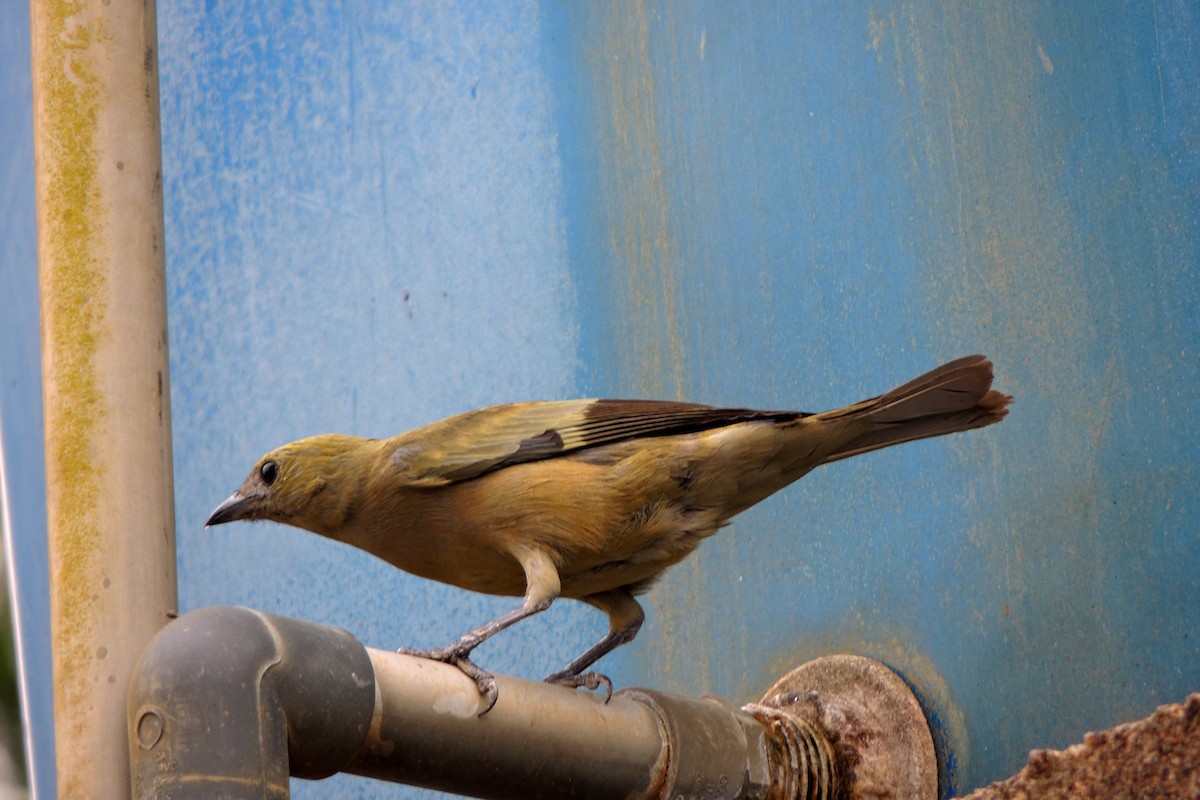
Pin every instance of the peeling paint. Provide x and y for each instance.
(1047, 64)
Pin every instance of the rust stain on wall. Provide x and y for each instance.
(646, 275)
(1003, 264)
(637, 197)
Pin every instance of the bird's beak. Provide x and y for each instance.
(238, 506)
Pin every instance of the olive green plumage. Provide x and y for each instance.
(589, 499)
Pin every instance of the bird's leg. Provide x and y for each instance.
(625, 617)
(542, 587)
(458, 652)
(461, 647)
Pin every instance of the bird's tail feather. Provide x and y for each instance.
(954, 397)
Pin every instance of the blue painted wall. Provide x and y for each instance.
(382, 214)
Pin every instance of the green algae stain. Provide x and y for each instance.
(68, 99)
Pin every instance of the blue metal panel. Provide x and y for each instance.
(364, 234)
(381, 214)
(808, 205)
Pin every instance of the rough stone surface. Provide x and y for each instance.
(1157, 757)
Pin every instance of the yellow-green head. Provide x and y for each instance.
(304, 483)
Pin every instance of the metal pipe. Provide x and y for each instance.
(427, 732)
(227, 701)
(104, 370)
(541, 741)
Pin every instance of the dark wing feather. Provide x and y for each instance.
(473, 444)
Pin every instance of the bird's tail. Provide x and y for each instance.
(954, 397)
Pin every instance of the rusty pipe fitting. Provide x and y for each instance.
(857, 726)
(710, 748)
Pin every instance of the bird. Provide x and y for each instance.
(585, 499)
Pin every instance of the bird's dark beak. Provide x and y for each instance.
(238, 506)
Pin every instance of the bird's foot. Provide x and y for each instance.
(586, 680)
(447, 655)
(459, 657)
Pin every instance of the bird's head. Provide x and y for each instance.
(304, 484)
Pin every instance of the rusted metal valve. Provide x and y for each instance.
(847, 727)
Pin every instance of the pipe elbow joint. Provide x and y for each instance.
(219, 678)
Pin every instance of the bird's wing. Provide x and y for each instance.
(471, 444)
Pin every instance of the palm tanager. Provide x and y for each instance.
(588, 499)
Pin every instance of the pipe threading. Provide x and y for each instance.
(804, 765)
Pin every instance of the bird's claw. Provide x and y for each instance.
(484, 681)
(460, 658)
(586, 680)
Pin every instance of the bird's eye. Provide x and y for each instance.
(269, 471)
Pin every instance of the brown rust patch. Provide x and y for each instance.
(894, 650)
(647, 272)
(640, 235)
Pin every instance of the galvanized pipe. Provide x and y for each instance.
(538, 740)
(541, 741)
(104, 370)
